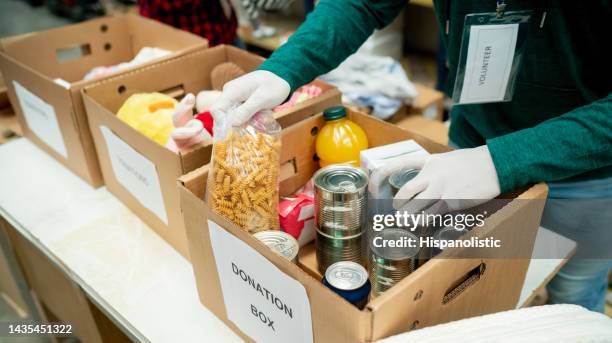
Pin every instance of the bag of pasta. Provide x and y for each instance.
(243, 180)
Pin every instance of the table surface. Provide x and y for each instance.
(129, 272)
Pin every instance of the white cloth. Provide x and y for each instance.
(373, 81)
(145, 55)
(550, 323)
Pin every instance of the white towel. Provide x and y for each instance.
(549, 323)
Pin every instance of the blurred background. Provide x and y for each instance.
(411, 41)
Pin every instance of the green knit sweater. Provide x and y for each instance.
(558, 125)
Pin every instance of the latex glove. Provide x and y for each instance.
(253, 92)
(205, 100)
(446, 182)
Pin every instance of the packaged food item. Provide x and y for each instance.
(340, 214)
(296, 214)
(401, 177)
(149, 114)
(390, 264)
(350, 281)
(243, 179)
(448, 233)
(380, 163)
(304, 93)
(280, 242)
(340, 140)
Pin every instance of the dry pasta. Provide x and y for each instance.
(243, 184)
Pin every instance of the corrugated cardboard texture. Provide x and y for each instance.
(417, 301)
(32, 61)
(59, 295)
(189, 73)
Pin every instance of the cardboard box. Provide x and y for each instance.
(55, 292)
(57, 297)
(158, 202)
(241, 280)
(54, 117)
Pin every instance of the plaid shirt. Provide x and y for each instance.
(205, 18)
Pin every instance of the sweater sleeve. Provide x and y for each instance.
(565, 146)
(333, 31)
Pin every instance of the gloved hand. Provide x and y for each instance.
(446, 182)
(253, 92)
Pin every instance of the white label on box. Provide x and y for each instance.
(41, 119)
(489, 62)
(136, 173)
(260, 299)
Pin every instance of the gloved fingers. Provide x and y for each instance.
(234, 93)
(438, 207)
(205, 100)
(189, 130)
(409, 190)
(407, 162)
(256, 102)
(421, 201)
(461, 204)
(184, 110)
(221, 107)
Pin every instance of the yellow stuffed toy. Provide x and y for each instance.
(149, 114)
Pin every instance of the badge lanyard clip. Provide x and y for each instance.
(500, 9)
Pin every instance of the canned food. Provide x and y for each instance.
(448, 233)
(340, 214)
(400, 178)
(330, 250)
(389, 265)
(280, 242)
(350, 281)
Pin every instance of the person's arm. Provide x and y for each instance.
(571, 144)
(332, 32)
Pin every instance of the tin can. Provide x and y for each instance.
(447, 233)
(280, 242)
(350, 281)
(400, 178)
(389, 265)
(340, 214)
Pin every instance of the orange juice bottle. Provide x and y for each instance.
(340, 140)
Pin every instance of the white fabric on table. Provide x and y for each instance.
(549, 323)
(373, 81)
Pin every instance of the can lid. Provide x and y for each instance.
(341, 178)
(448, 233)
(346, 275)
(280, 242)
(401, 177)
(334, 113)
(395, 253)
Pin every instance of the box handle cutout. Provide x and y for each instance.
(73, 52)
(464, 282)
(176, 92)
(287, 170)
